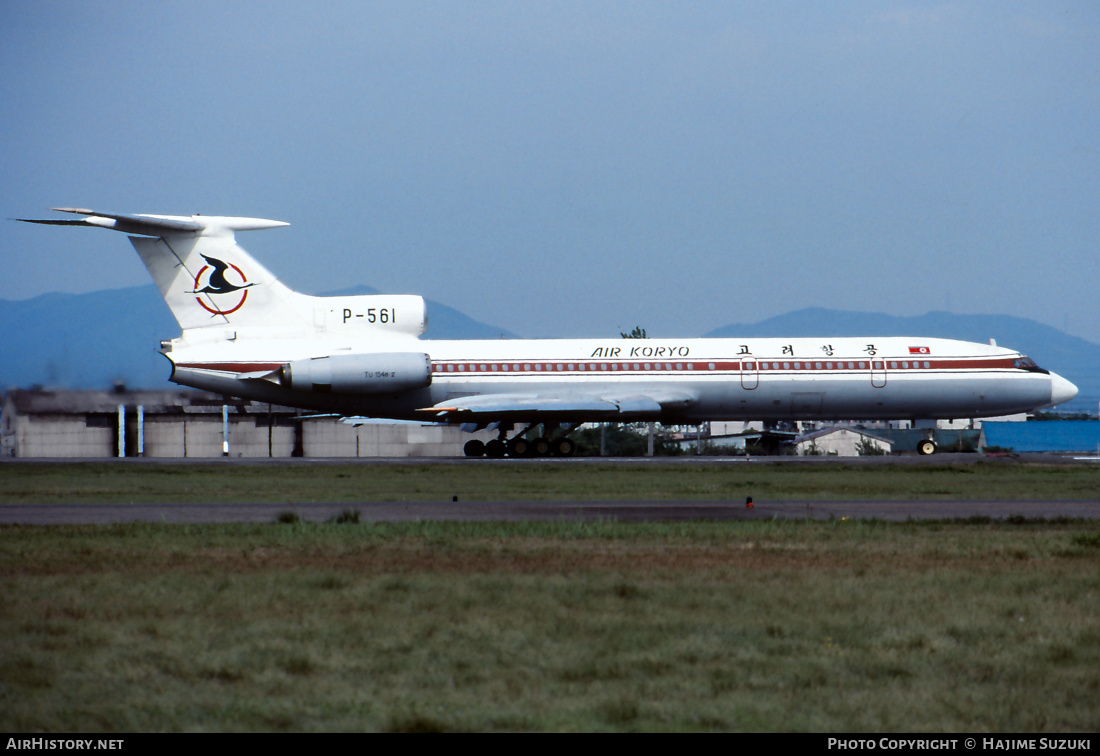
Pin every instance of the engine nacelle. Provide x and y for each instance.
(378, 373)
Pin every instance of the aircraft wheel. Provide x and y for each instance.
(563, 447)
(926, 447)
(540, 448)
(495, 449)
(473, 448)
(519, 447)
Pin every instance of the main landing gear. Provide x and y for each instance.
(545, 445)
(926, 447)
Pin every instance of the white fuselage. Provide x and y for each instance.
(718, 379)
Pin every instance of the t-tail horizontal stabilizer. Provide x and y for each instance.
(160, 225)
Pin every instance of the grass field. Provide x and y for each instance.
(114, 482)
(794, 625)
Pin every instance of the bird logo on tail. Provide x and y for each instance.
(217, 284)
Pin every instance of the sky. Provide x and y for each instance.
(575, 169)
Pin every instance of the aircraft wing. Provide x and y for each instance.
(572, 407)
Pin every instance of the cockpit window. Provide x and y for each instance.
(1028, 364)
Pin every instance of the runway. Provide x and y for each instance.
(622, 510)
(546, 511)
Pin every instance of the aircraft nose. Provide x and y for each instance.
(1061, 390)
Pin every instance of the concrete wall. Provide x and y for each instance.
(199, 435)
(249, 439)
(165, 437)
(333, 439)
(61, 436)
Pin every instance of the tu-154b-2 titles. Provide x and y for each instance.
(246, 334)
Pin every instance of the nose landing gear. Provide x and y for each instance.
(926, 447)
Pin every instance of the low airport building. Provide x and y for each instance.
(844, 439)
(841, 441)
(193, 424)
(180, 423)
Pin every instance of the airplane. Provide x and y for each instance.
(245, 334)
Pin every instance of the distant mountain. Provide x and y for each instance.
(1073, 358)
(86, 340)
(97, 339)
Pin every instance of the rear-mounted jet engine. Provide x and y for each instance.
(379, 373)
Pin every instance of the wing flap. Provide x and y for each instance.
(573, 407)
(516, 407)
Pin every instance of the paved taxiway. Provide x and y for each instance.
(626, 511)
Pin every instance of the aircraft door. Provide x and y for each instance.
(878, 373)
(750, 372)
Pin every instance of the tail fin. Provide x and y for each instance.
(205, 277)
(207, 280)
(211, 281)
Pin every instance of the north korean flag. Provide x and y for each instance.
(919, 350)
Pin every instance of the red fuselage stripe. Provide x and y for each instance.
(505, 367)
(232, 367)
(708, 366)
